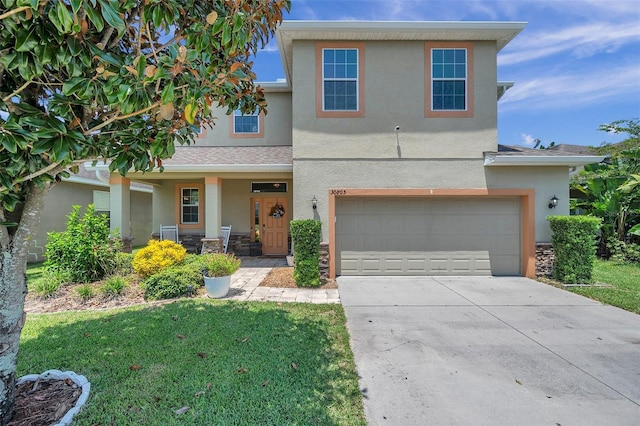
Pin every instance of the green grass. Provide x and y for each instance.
(232, 363)
(34, 271)
(624, 279)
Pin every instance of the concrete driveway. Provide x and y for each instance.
(490, 350)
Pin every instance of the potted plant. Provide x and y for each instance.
(218, 268)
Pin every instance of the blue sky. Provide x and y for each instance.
(576, 64)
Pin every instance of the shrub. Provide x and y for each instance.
(306, 272)
(84, 291)
(220, 264)
(306, 244)
(49, 283)
(113, 286)
(123, 264)
(172, 282)
(156, 256)
(623, 252)
(574, 247)
(86, 249)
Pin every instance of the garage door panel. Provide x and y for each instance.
(416, 263)
(426, 236)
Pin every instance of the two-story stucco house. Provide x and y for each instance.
(386, 132)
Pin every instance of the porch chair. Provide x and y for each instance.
(169, 232)
(225, 233)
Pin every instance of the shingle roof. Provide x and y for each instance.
(231, 155)
(508, 155)
(520, 150)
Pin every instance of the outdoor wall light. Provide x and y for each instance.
(314, 202)
(553, 202)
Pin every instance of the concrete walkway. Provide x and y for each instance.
(490, 351)
(245, 284)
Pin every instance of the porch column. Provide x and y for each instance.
(120, 206)
(212, 206)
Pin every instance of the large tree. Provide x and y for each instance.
(118, 80)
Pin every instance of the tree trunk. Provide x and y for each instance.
(14, 249)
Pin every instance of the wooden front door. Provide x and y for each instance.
(275, 230)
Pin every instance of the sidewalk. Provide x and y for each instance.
(245, 282)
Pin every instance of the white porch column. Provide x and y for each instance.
(120, 204)
(212, 206)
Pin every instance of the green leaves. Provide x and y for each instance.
(61, 18)
(110, 13)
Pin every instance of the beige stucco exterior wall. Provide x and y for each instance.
(277, 125)
(316, 177)
(61, 198)
(391, 101)
(546, 181)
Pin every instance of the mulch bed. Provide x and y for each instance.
(283, 278)
(44, 402)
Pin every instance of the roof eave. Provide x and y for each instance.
(491, 160)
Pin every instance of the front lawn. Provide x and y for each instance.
(624, 282)
(230, 362)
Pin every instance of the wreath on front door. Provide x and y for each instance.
(277, 211)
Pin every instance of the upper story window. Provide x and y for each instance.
(246, 123)
(339, 91)
(449, 85)
(340, 79)
(449, 79)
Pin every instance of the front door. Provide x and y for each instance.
(274, 219)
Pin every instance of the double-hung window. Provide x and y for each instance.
(340, 79)
(339, 87)
(449, 91)
(189, 206)
(246, 124)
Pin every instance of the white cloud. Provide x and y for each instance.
(528, 140)
(578, 89)
(580, 41)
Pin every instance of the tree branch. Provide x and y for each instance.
(50, 168)
(120, 117)
(17, 91)
(13, 12)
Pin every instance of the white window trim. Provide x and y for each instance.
(356, 79)
(465, 79)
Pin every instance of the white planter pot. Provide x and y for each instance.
(290, 260)
(217, 286)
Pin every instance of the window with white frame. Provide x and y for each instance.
(246, 123)
(449, 79)
(340, 79)
(189, 205)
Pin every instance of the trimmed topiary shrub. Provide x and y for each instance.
(574, 247)
(175, 281)
(306, 235)
(156, 256)
(86, 250)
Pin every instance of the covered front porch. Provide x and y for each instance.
(203, 188)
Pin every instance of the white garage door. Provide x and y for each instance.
(428, 236)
